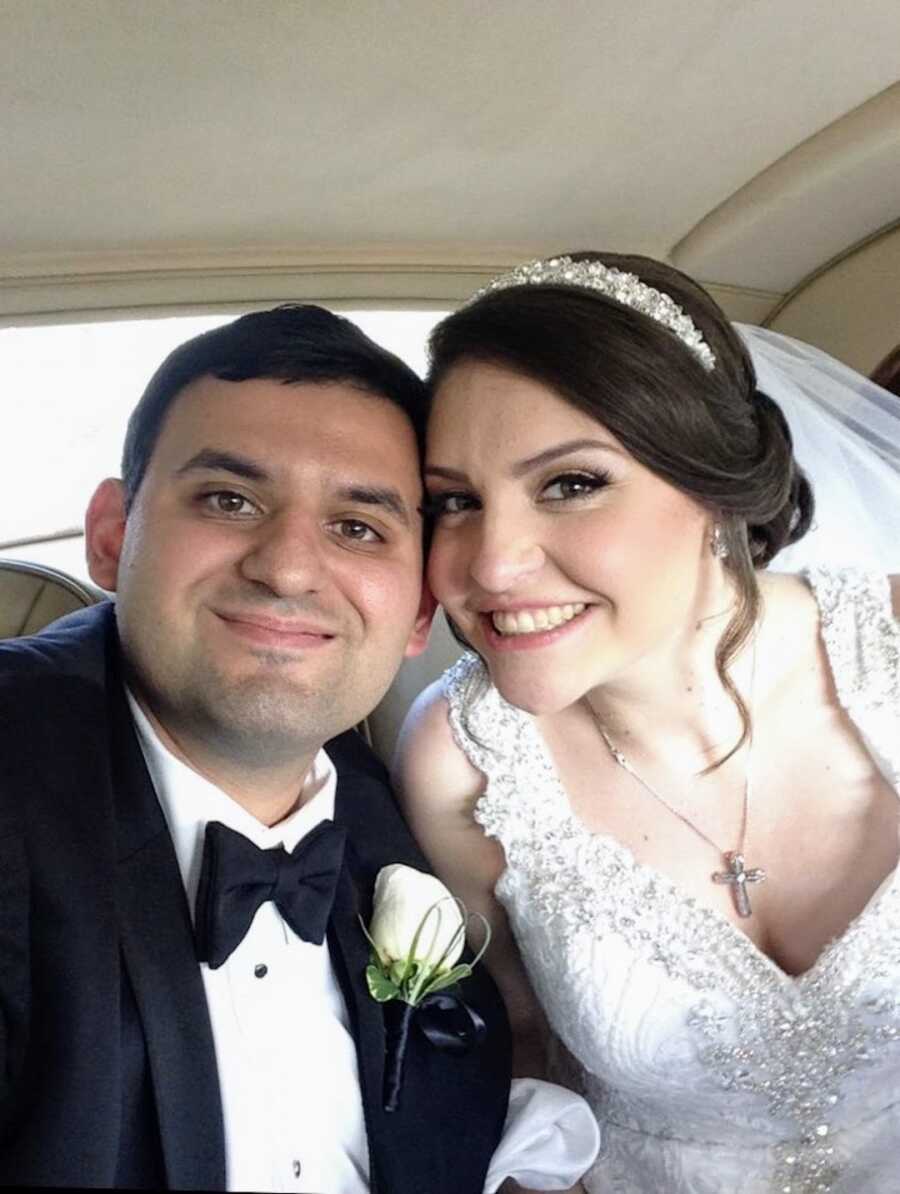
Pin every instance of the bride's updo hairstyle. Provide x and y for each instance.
(703, 427)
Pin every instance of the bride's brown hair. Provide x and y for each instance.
(712, 434)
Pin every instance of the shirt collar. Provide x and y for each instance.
(189, 801)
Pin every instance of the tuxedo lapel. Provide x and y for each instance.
(159, 956)
(158, 951)
(357, 804)
(350, 956)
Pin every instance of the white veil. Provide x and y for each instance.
(846, 435)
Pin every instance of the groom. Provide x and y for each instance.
(161, 1025)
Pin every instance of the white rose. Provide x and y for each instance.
(404, 898)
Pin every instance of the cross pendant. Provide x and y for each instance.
(737, 878)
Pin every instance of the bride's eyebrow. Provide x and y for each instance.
(521, 467)
(550, 454)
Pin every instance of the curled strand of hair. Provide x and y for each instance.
(740, 626)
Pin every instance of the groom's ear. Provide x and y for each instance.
(418, 639)
(104, 532)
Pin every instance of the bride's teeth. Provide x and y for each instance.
(526, 621)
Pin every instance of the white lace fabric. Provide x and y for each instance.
(707, 1066)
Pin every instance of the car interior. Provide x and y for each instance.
(173, 159)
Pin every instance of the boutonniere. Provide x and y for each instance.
(417, 934)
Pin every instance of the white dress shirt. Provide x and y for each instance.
(286, 1058)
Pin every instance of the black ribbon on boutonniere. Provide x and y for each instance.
(444, 1019)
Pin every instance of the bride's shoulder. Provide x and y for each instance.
(837, 626)
(788, 644)
(823, 591)
(810, 616)
(429, 763)
(790, 602)
(426, 727)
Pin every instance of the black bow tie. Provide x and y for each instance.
(236, 878)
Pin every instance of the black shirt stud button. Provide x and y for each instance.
(261, 970)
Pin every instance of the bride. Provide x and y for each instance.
(666, 773)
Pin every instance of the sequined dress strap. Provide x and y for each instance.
(862, 638)
(521, 796)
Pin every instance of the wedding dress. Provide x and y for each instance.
(708, 1068)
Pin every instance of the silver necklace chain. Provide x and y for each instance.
(735, 875)
(626, 766)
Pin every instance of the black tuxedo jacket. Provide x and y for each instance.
(107, 1068)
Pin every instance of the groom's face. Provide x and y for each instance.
(269, 576)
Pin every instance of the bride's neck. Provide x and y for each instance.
(672, 706)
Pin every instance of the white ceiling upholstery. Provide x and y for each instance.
(202, 150)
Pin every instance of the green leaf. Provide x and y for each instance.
(440, 981)
(380, 986)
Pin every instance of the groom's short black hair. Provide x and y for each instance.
(293, 343)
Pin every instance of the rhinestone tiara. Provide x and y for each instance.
(626, 289)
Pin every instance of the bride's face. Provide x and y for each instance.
(565, 562)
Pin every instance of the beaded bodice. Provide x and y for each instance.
(709, 1067)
